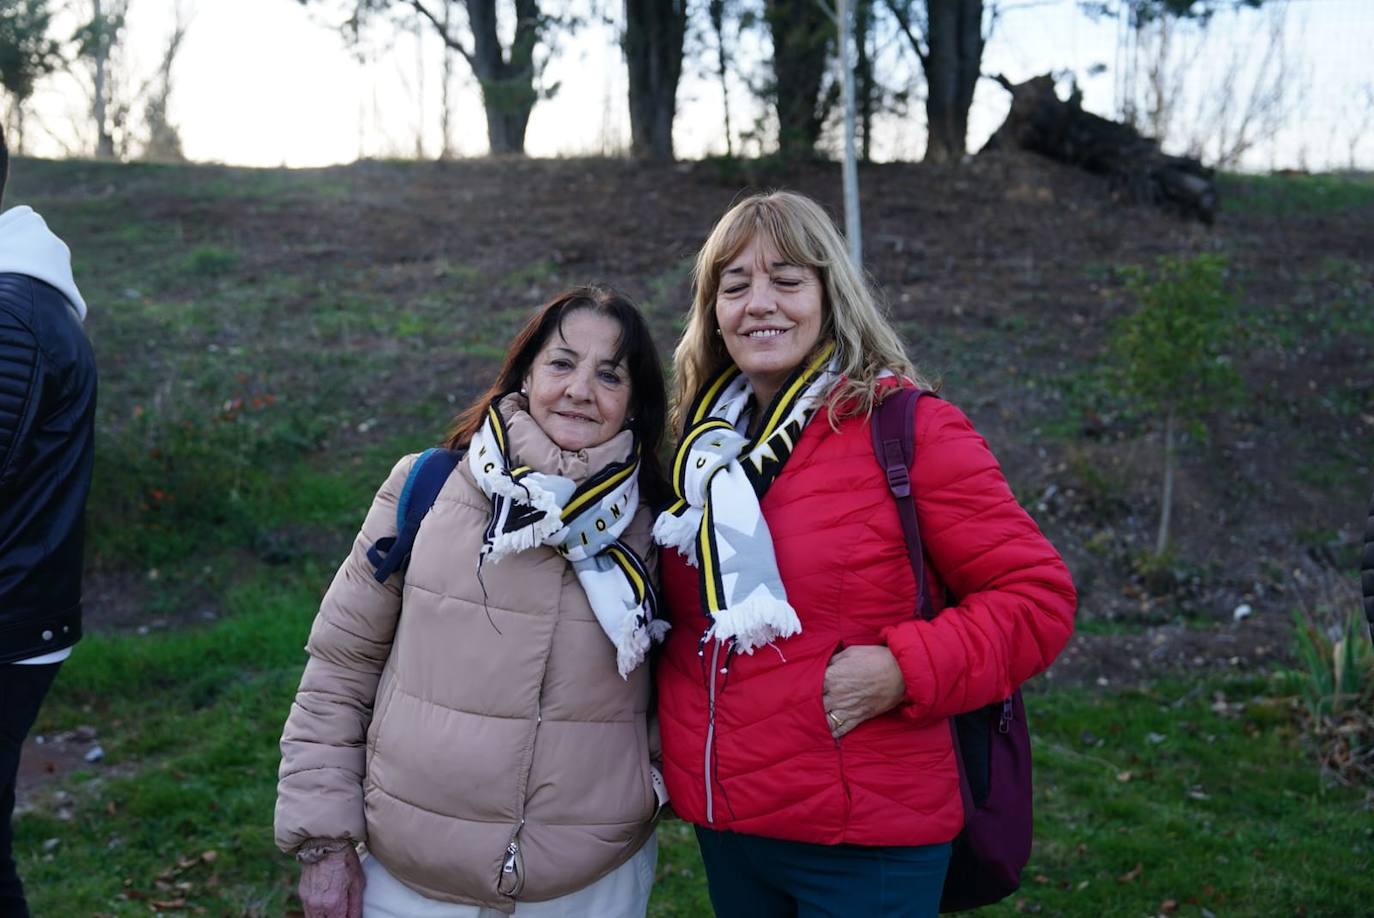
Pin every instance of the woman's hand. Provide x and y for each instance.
(333, 887)
(861, 682)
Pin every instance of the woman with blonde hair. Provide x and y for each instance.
(804, 709)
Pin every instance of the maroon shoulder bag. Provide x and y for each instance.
(991, 744)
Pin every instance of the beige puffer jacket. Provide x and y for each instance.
(486, 750)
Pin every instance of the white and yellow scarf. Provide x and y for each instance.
(719, 477)
(583, 523)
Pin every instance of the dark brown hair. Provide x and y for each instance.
(648, 400)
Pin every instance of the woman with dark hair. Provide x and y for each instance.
(478, 723)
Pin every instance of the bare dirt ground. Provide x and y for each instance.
(1001, 276)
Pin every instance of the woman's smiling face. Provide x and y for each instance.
(769, 313)
(579, 393)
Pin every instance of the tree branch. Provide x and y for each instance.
(904, 22)
(419, 7)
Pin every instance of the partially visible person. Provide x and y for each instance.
(479, 722)
(47, 446)
(804, 708)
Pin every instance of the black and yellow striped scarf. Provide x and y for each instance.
(719, 477)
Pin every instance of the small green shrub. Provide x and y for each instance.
(1171, 354)
(210, 261)
(1336, 680)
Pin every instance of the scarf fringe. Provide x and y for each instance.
(509, 543)
(680, 532)
(755, 623)
(634, 642)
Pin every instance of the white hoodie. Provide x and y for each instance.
(27, 246)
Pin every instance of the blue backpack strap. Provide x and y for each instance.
(422, 487)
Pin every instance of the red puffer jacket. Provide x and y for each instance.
(746, 745)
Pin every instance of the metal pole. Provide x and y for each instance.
(851, 169)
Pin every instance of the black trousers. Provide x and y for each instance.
(22, 689)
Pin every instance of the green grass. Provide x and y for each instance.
(1206, 788)
(1204, 785)
(1286, 195)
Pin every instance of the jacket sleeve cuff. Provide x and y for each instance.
(908, 647)
(314, 850)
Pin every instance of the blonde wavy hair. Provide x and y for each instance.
(804, 235)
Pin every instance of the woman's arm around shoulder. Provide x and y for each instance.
(1015, 598)
(319, 789)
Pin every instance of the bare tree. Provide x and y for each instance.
(1215, 82)
(163, 141)
(508, 71)
(716, 10)
(803, 33)
(866, 89)
(654, 33)
(1259, 89)
(446, 89)
(948, 36)
(97, 40)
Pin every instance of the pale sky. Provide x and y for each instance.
(269, 83)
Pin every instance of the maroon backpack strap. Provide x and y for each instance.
(894, 445)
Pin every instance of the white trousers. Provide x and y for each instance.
(622, 893)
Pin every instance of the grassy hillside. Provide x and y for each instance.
(270, 341)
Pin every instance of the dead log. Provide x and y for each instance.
(1139, 171)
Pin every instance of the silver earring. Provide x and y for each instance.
(719, 334)
(523, 392)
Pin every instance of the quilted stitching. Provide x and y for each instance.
(843, 559)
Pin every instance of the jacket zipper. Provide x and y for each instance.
(509, 866)
(1004, 722)
(711, 729)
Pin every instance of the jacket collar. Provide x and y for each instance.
(529, 445)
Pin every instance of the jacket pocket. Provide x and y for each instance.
(837, 742)
(819, 693)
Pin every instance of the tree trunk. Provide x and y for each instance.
(716, 11)
(104, 141)
(1166, 502)
(506, 79)
(654, 31)
(801, 40)
(1041, 122)
(446, 91)
(865, 85)
(955, 37)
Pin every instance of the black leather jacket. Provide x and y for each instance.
(47, 445)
